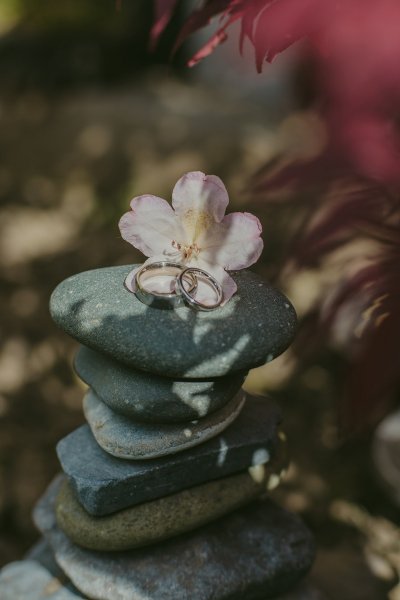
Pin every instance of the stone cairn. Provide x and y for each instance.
(163, 494)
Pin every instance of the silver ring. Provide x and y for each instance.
(186, 293)
(162, 299)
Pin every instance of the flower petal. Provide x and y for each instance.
(235, 243)
(205, 293)
(150, 226)
(198, 194)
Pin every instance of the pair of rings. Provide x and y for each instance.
(185, 284)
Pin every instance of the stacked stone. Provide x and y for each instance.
(163, 491)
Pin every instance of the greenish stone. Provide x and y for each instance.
(125, 438)
(254, 327)
(157, 520)
(148, 397)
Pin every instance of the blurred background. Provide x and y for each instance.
(90, 118)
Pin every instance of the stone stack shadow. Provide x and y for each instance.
(164, 492)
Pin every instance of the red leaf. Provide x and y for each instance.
(163, 13)
(201, 18)
(284, 22)
(217, 39)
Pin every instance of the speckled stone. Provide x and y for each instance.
(149, 397)
(125, 438)
(254, 327)
(28, 580)
(256, 552)
(160, 519)
(105, 484)
(43, 554)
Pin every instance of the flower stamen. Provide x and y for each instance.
(187, 250)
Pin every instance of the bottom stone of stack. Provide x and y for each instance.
(31, 580)
(257, 552)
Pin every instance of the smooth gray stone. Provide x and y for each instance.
(254, 327)
(105, 484)
(152, 398)
(43, 554)
(255, 553)
(29, 580)
(125, 438)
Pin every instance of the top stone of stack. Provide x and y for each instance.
(255, 326)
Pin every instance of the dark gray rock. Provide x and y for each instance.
(29, 580)
(125, 438)
(43, 554)
(152, 398)
(105, 484)
(255, 553)
(256, 325)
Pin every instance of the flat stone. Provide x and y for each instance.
(254, 327)
(28, 580)
(43, 554)
(105, 484)
(256, 552)
(125, 438)
(149, 397)
(159, 519)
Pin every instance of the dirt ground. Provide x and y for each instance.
(68, 167)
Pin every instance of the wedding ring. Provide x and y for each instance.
(162, 299)
(186, 292)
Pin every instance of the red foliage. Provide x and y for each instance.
(363, 304)
(355, 49)
(369, 297)
(163, 12)
(355, 46)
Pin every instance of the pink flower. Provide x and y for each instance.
(195, 231)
